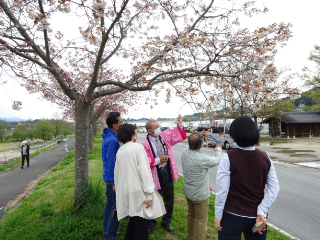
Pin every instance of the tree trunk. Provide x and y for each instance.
(241, 107)
(81, 173)
(95, 130)
(91, 136)
(255, 120)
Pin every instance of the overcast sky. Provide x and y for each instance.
(303, 16)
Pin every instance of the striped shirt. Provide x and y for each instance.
(195, 167)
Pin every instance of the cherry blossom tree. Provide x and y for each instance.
(247, 90)
(260, 89)
(126, 46)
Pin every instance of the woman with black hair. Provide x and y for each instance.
(242, 176)
(137, 197)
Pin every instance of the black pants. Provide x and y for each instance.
(27, 157)
(137, 229)
(167, 192)
(233, 226)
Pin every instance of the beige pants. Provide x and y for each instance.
(197, 219)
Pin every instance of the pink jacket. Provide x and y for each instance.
(171, 138)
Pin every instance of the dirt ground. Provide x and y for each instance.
(293, 151)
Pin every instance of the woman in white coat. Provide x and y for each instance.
(136, 196)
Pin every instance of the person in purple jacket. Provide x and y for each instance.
(243, 174)
(110, 146)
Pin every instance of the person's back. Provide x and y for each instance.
(137, 198)
(195, 167)
(242, 175)
(249, 172)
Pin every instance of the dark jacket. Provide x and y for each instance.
(110, 146)
(28, 148)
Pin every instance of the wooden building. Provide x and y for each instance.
(295, 124)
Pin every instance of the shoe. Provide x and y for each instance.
(150, 230)
(104, 235)
(167, 227)
(28, 166)
(21, 167)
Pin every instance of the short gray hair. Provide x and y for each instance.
(195, 140)
(149, 124)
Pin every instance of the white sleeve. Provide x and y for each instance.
(156, 161)
(271, 194)
(223, 184)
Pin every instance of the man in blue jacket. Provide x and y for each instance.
(110, 146)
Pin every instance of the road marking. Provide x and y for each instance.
(282, 231)
(269, 224)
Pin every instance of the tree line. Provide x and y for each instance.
(45, 129)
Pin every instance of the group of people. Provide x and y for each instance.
(140, 181)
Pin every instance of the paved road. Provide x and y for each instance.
(297, 208)
(14, 182)
(17, 152)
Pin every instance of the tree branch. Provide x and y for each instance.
(105, 38)
(45, 33)
(19, 53)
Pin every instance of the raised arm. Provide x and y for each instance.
(211, 161)
(175, 135)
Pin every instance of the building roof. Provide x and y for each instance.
(299, 117)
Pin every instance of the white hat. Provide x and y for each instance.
(24, 142)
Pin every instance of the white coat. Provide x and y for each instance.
(134, 184)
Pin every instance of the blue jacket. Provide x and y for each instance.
(110, 146)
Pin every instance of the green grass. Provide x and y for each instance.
(4, 146)
(48, 212)
(17, 161)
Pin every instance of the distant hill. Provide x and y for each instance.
(304, 99)
(14, 119)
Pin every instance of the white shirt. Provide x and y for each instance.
(223, 184)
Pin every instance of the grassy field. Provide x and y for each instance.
(5, 146)
(48, 212)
